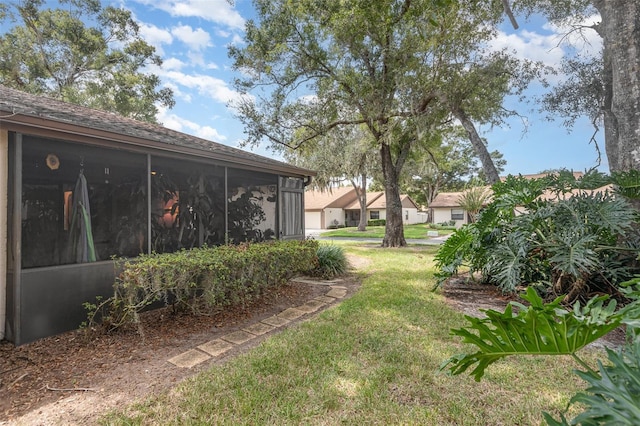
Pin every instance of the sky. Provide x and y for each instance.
(192, 37)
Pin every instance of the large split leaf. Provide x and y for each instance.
(538, 329)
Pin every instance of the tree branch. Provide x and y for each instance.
(509, 13)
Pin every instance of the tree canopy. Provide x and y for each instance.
(604, 87)
(81, 53)
(404, 67)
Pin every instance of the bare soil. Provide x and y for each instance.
(473, 298)
(74, 377)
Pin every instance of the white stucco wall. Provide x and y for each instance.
(382, 212)
(443, 214)
(410, 216)
(332, 214)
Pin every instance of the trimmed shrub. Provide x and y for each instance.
(205, 279)
(331, 262)
(376, 222)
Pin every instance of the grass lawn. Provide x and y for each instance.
(417, 231)
(373, 359)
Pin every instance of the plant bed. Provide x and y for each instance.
(120, 367)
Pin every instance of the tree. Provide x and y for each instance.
(449, 166)
(341, 154)
(406, 67)
(610, 84)
(54, 52)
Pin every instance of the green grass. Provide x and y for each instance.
(373, 359)
(417, 231)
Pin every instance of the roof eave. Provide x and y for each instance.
(24, 123)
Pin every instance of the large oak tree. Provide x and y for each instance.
(405, 67)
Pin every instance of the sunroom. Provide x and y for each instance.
(84, 187)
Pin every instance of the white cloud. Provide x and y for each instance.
(212, 87)
(196, 39)
(196, 58)
(550, 47)
(218, 11)
(530, 45)
(155, 36)
(172, 64)
(172, 121)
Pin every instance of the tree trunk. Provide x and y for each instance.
(361, 193)
(620, 32)
(394, 230)
(478, 145)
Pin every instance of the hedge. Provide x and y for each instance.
(204, 279)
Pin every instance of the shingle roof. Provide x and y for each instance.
(446, 199)
(577, 175)
(334, 197)
(372, 197)
(39, 111)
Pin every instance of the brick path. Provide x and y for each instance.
(218, 347)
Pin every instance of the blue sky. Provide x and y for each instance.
(192, 37)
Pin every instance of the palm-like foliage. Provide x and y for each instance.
(539, 329)
(568, 243)
(473, 200)
(613, 394)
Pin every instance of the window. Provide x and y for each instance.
(374, 214)
(457, 214)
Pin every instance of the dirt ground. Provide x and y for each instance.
(72, 378)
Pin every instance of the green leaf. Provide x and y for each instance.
(539, 329)
(613, 395)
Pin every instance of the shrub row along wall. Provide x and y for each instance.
(208, 278)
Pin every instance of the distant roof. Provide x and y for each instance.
(452, 199)
(28, 113)
(446, 199)
(345, 198)
(577, 175)
(372, 198)
(333, 197)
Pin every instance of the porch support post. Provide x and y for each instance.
(226, 205)
(149, 204)
(4, 191)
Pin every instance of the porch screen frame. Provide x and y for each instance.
(290, 189)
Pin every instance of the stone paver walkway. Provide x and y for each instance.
(218, 347)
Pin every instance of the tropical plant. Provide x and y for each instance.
(331, 262)
(473, 200)
(613, 395)
(568, 241)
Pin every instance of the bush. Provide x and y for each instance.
(204, 279)
(331, 262)
(376, 222)
(577, 243)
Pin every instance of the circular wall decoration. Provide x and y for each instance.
(52, 162)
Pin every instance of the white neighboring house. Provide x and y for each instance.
(323, 209)
(340, 207)
(446, 208)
